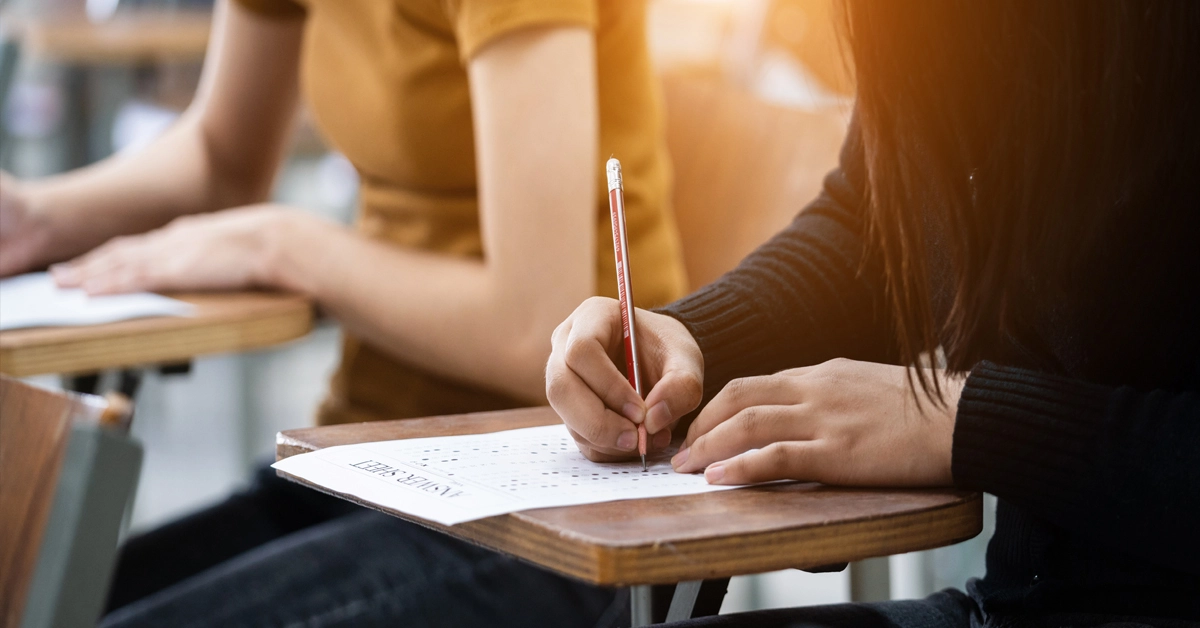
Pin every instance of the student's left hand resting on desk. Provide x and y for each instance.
(841, 422)
(226, 250)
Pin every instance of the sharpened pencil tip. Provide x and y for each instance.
(644, 467)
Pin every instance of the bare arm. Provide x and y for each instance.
(223, 152)
(533, 97)
(485, 321)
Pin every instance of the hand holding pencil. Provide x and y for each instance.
(602, 407)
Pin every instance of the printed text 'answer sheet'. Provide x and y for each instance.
(452, 479)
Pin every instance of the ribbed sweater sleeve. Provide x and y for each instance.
(802, 298)
(1114, 464)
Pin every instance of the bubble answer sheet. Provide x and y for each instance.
(452, 479)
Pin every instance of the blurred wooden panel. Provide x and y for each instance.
(743, 168)
(128, 38)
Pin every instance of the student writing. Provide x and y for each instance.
(1018, 188)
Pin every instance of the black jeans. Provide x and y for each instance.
(279, 554)
(946, 609)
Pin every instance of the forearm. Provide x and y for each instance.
(134, 193)
(222, 153)
(457, 317)
(1115, 464)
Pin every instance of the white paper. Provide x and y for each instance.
(452, 479)
(33, 300)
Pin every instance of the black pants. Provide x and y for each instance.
(946, 609)
(280, 554)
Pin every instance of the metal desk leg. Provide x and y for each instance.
(641, 605)
(684, 600)
(870, 580)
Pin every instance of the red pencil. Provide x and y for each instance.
(616, 205)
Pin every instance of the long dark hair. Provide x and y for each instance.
(1025, 129)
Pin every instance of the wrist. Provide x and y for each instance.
(279, 262)
(39, 227)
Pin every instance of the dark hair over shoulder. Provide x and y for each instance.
(1027, 129)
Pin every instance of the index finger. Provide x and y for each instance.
(740, 394)
(585, 352)
(603, 430)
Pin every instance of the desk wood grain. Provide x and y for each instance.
(691, 537)
(223, 323)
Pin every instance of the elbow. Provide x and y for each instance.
(525, 373)
(528, 319)
(236, 175)
(530, 350)
(235, 191)
(235, 184)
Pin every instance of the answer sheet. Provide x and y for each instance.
(452, 479)
(33, 300)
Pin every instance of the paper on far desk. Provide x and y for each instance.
(33, 300)
(452, 479)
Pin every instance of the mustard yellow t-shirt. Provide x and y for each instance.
(387, 84)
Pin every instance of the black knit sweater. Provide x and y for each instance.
(1093, 453)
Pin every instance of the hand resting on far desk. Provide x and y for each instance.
(842, 422)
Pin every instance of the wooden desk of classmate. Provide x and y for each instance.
(223, 323)
(688, 538)
(130, 37)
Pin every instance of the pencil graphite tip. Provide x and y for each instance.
(644, 467)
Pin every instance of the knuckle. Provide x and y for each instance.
(691, 386)
(736, 388)
(753, 421)
(560, 331)
(592, 430)
(837, 366)
(777, 455)
(617, 390)
(595, 303)
(557, 385)
(577, 351)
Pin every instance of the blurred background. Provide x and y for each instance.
(757, 98)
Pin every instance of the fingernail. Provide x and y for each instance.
(627, 440)
(662, 439)
(714, 473)
(659, 416)
(680, 458)
(634, 412)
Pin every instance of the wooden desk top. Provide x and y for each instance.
(141, 36)
(223, 323)
(691, 537)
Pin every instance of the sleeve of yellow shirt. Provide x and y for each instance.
(478, 22)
